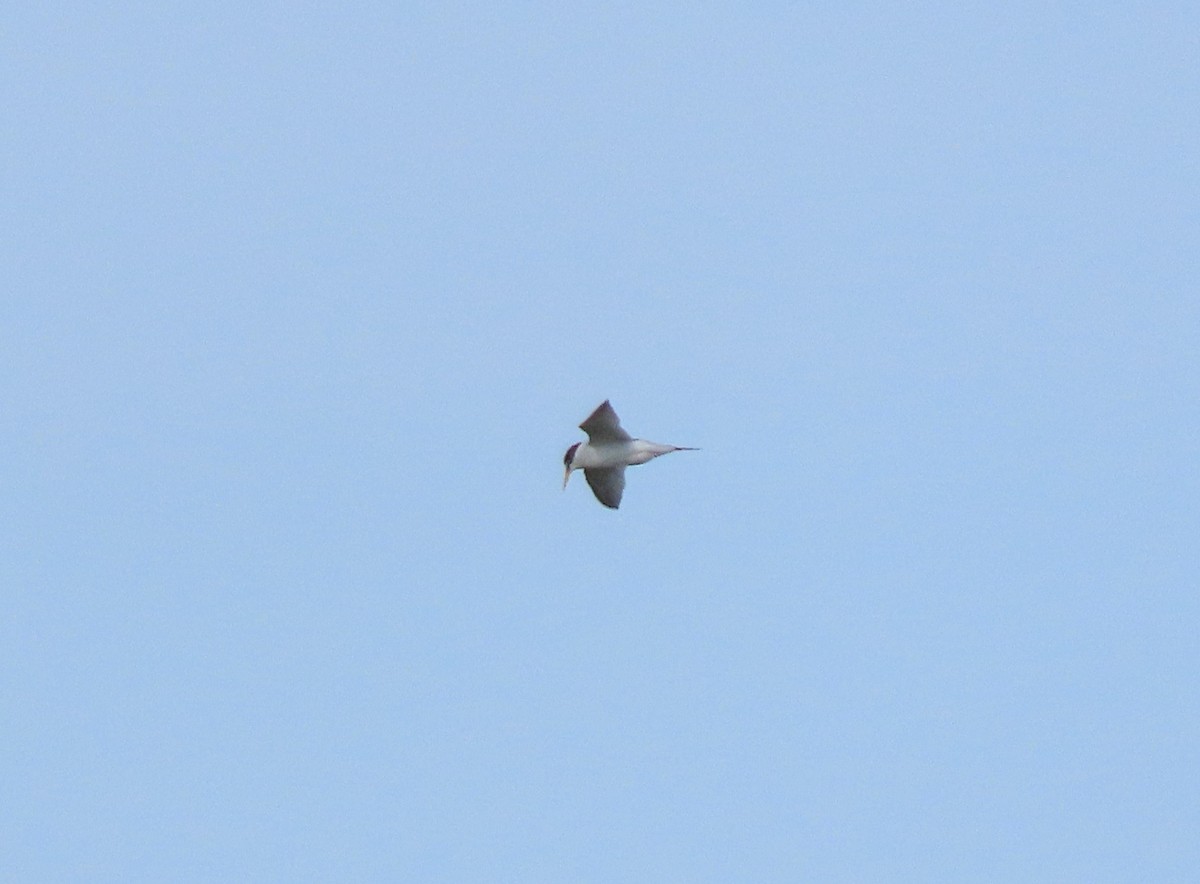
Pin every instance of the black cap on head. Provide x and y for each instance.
(570, 455)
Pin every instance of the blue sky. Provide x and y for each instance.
(305, 304)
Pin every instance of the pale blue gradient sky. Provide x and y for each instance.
(304, 304)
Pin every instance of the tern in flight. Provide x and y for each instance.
(606, 453)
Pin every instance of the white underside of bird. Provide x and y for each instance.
(606, 454)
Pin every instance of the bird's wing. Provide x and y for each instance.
(607, 484)
(603, 425)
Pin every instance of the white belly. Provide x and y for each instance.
(617, 454)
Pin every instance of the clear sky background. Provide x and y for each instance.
(302, 306)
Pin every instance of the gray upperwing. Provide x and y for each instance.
(603, 425)
(608, 483)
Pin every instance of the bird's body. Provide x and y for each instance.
(607, 452)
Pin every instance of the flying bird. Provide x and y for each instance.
(606, 453)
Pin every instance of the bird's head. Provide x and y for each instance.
(569, 461)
